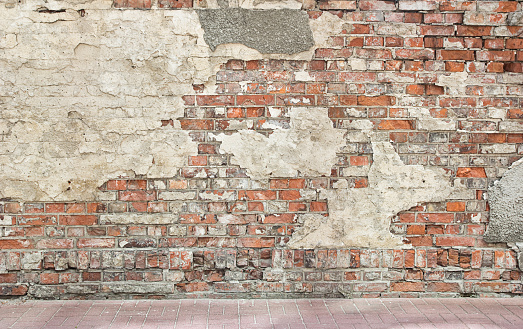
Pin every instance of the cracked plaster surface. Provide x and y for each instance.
(83, 96)
(308, 148)
(358, 217)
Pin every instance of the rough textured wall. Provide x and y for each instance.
(260, 148)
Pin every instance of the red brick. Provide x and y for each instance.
(393, 42)
(494, 43)
(198, 160)
(473, 31)
(454, 18)
(78, 219)
(54, 207)
(376, 100)
(396, 125)
(257, 195)
(92, 276)
(13, 290)
(360, 29)
(514, 43)
(196, 124)
(496, 55)
(214, 100)
(456, 206)
(49, 278)
(434, 90)
(317, 206)
(415, 229)
(503, 6)
(435, 218)
(194, 286)
(55, 244)
(117, 184)
(413, 17)
(513, 67)
(443, 287)
(415, 89)
(256, 242)
(136, 4)
(337, 5)
(415, 53)
(255, 99)
(289, 195)
(467, 55)
(432, 18)
(279, 219)
(8, 278)
(494, 67)
(373, 41)
(366, 5)
(452, 241)
(16, 244)
(414, 43)
(297, 183)
(445, 30)
(407, 286)
(95, 243)
(359, 161)
(471, 172)
(137, 195)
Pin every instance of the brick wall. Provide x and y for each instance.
(230, 235)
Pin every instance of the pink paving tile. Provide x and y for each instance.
(350, 318)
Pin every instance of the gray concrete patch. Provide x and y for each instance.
(282, 31)
(506, 207)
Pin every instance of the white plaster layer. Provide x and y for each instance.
(361, 217)
(127, 218)
(308, 148)
(425, 121)
(83, 97)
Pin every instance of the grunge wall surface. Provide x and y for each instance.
(261, 148)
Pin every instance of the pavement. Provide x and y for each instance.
(453, 313)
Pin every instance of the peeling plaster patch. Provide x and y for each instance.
(324, 27)
(455, 82)
(361, 217)
(91, 106)
(250, 4)
(427, 122)
(506, 207)
(307, 148)
(281, 31)
(126, 219)
(303, 76)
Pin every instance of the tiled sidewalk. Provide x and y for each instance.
(302, 313)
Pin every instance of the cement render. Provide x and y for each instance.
(283, 31)
(506, 207)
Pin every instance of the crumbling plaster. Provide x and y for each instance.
(308, 148)
(358, 217)
(505, 199)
